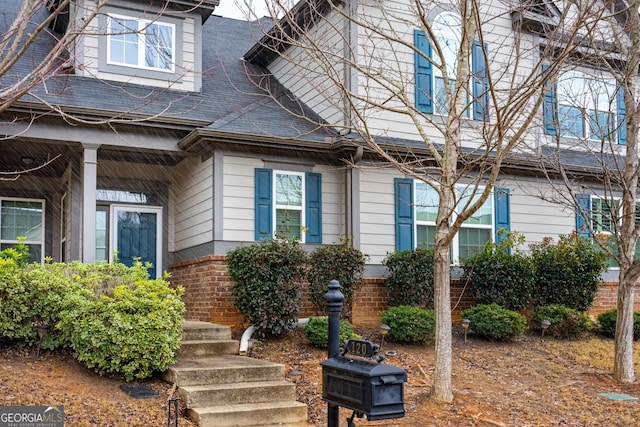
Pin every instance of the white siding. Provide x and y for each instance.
(192, 203)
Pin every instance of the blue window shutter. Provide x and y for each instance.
(480, 82)
(622, 116)
(313, 210)
(264, 204)
(549, 106)
(424, 73)
(582, 224)
(501, 201)
(404, 213)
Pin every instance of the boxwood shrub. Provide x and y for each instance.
(409, 324)
(564, 322)
(495, 322)
(317, 331)
(607, 323)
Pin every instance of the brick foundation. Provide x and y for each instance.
(208, 295)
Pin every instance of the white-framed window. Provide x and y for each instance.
(446, 27)
(289, 196)
(141, 43)
(474, 233)
(23, 218)
(587, 105)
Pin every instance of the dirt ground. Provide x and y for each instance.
(528, 382)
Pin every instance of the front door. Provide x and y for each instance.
(138, 235)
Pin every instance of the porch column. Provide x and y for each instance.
(89, 181)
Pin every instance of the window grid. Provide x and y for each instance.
(23, 218)
(289, 205)
(473, 235)
(141, 43)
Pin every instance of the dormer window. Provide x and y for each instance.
(141, 43)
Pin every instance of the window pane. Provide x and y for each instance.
(426, 236)
(35, 251)
(483, 216)
(426, 203)
(123, 41)
(101, 235)
(288, 224)
(601, 125)
(472, 240)
(21, 219)
(603, 213)
(571, 121)
(159, 45)
(288, 190)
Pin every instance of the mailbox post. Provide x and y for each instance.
(334, 300)
(354, 377)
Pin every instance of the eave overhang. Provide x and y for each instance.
(304, 15)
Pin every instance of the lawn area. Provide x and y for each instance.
(527, 382)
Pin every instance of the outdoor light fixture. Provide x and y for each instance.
(465, 327)
(545, 325)
(295, 375)
(384, 330)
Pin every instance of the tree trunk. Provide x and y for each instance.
(442, 391)
(623, 368)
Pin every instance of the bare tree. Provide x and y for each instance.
(359, 68)
(606, 71)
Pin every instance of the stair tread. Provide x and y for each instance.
(221, 362)
(236, 386)
(243, 407)
(210, 341)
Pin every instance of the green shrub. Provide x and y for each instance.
(565, 322)
(608, 321)
(135, 331)
(267, 277)
(499, 274)
(409, 324)
(343, 263)
(410, 280)
(317, 331)
(567, 273)
(495, 322)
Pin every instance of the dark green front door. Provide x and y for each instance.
(138, 238)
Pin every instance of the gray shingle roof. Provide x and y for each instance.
(229, 100)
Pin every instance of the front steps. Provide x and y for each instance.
(222, 389)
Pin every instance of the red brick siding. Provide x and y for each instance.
(208, 295)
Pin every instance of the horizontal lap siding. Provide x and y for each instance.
(377, 214)
(238, 198)
(192, 203)
(306, 79)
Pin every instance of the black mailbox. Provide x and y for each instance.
(373, 389)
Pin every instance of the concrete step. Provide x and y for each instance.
(228, 394)
(222, 370)
(250, 414)
(194, 331)
(203, 348)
